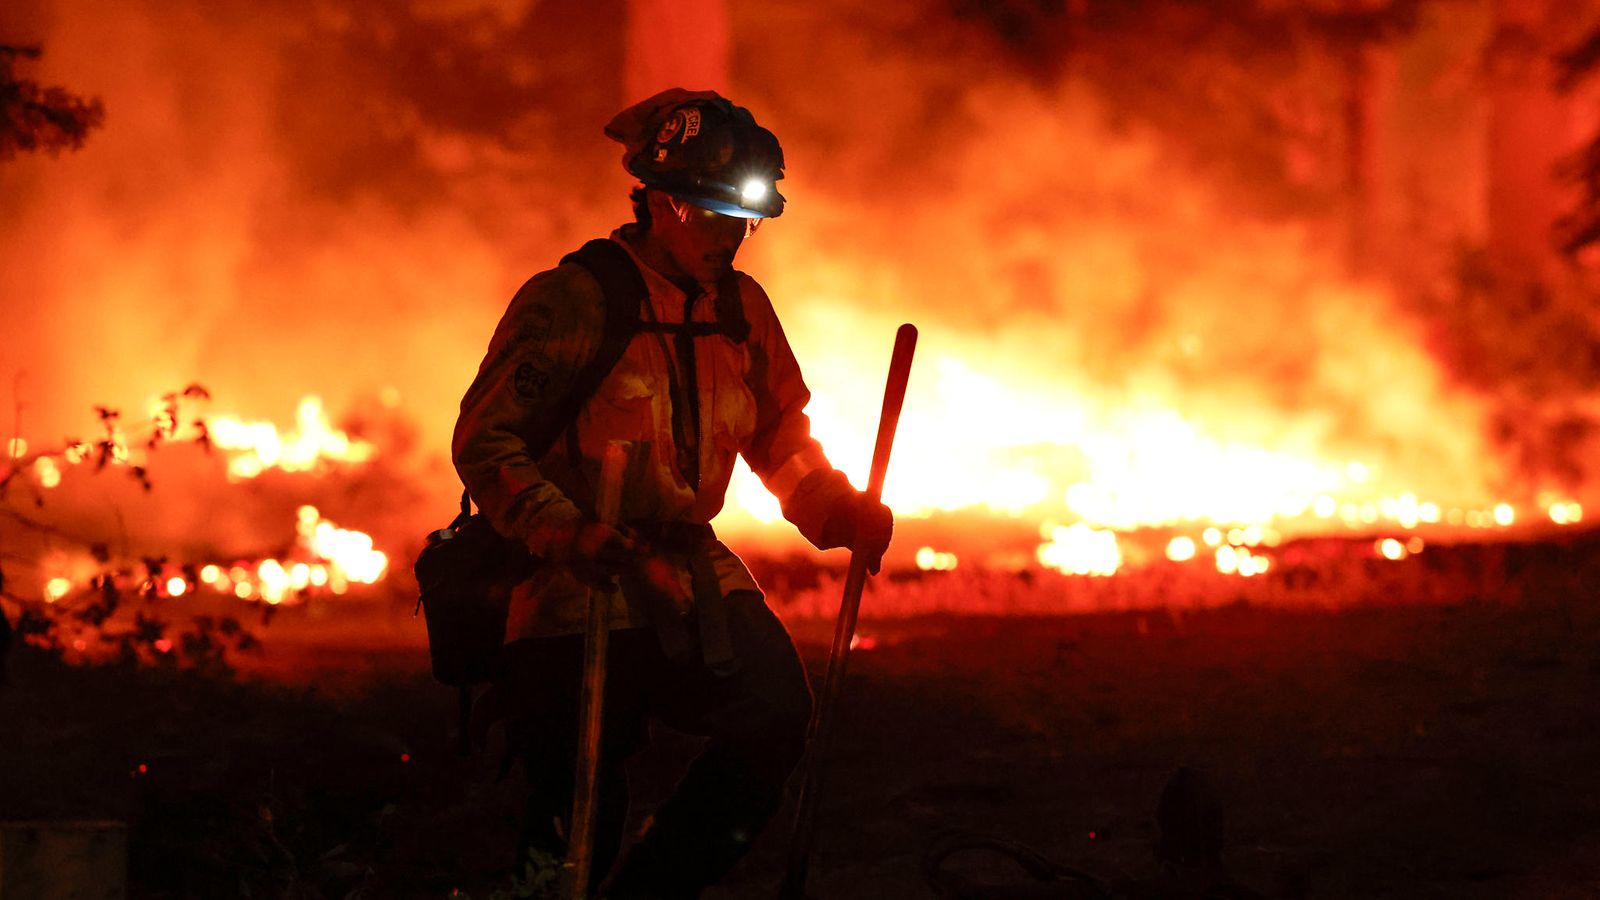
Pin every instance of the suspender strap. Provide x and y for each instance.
(730, 310)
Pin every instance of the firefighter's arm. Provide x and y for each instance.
(815, 496)
(550, 330)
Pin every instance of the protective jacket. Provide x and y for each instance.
(748, 396)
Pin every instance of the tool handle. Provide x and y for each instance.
(805, 827)
(591, 714)
(894, 397)
(608, 499)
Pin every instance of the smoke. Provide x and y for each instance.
(287, 200)
(339, 198)
(1063, 249)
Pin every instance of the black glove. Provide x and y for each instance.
(864, 525)
(594, 551)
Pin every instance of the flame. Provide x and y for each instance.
(999, 451)
(1566, 513)
(929, 559)
(56, 588)
(1390, 548)
(1080, 550)
(325, 556)
(1109, 342)
(47, 471)
(349, 554)
(258, 446)
(1236, 560)
(1019, 447)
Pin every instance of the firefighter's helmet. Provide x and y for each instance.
(701, 148)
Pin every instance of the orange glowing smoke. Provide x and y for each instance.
(1115, 338)
(1151, 357)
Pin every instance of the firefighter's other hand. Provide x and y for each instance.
(599, 552)
(864, 525)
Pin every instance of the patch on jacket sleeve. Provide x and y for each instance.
(529, 381)
(536, 325)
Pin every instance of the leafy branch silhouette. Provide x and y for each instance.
(75, 616)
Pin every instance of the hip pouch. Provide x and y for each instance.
(465, 575)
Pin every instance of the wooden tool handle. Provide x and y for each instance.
(805, 824)
(591, 713)
(894, 397)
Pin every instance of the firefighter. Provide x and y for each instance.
(706, 375)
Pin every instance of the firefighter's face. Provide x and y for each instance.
(700, 242)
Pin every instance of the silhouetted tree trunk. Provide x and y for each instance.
(676, 43)
(5, 635)
(1370, 83)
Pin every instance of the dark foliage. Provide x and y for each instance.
(35, 118)
(91, 612)
(1532, 350)
(1199, 70)
(1580, 229)
(5, 634)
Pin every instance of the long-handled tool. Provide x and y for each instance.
(591, 707)
(805, 824)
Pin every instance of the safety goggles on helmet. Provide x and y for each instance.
(688, 211)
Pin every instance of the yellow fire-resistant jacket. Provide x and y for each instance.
(751, 402)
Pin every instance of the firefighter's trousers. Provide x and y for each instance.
(754, 720)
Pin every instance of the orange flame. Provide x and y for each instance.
(258, 446)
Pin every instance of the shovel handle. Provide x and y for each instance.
(805, 823)
(591, 703)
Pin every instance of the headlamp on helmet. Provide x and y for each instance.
(754, 190)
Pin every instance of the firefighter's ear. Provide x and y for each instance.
(661, 206)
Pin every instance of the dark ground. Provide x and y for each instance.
(1384, 752)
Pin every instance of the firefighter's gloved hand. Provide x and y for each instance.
(597, 552)
(864, 525)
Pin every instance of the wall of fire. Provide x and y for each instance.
(1173, 268)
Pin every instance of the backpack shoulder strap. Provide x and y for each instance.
(731, 320)
(624, 291)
